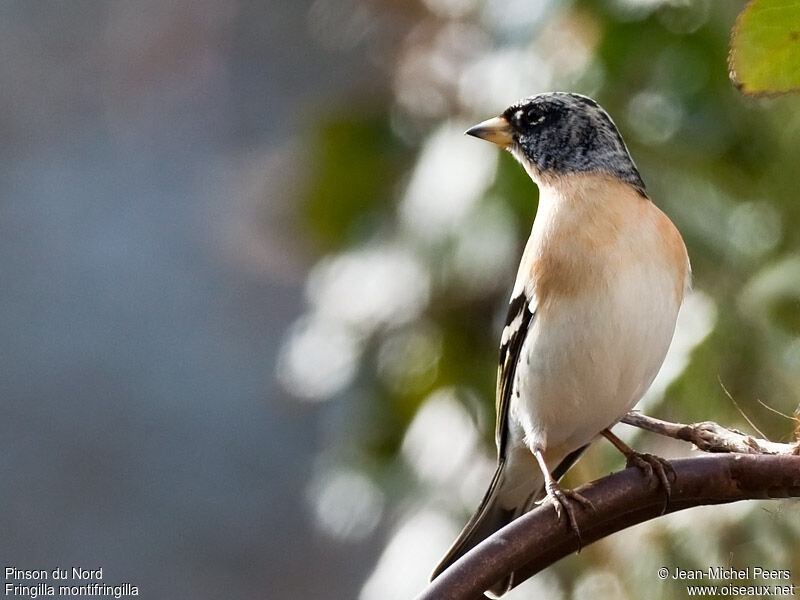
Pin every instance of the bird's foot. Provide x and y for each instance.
(563, 500)
(655, 469)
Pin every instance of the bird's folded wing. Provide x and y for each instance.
(519, 320)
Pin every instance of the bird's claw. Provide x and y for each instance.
(651, 465)
(560, 499)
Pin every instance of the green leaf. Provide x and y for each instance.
(765, 48)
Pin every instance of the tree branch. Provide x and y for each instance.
(710, 437)
(537, 539)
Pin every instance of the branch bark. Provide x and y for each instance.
(710, 437)
(537, 539)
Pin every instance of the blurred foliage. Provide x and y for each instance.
(765, 49)
(724, 167)
(358, 160)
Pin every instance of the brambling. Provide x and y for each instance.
(592, 311)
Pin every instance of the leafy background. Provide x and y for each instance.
(419, 230)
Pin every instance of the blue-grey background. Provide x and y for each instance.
(146, 155)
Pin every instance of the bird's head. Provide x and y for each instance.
(559, 133)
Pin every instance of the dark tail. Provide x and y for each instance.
(502, 504)
(489, 517)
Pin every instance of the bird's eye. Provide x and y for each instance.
(533, 117)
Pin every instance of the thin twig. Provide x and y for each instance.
(710, 437)
(775, 410)
(736, 404)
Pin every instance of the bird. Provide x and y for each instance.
(591, 315)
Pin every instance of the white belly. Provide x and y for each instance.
(590, 359)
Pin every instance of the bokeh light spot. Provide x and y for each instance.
(318, 359)
(347, 505)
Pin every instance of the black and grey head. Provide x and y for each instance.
(559, 133)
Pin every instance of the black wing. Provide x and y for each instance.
(518, 323)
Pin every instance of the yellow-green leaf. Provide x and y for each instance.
(765, 47)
